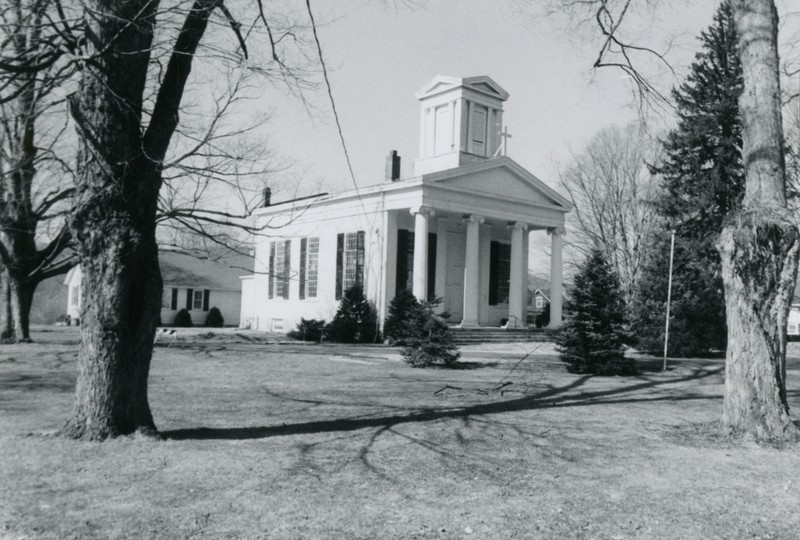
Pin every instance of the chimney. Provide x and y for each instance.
(267, 196)
(393, 166)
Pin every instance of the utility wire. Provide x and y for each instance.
(333, 104)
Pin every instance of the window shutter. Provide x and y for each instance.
(402, 261)
(206, 298)
(494, 272)
(174, 304)
(431, 266)
(303, 256)
(339, 264)
(287, 266)
(271, 269)
(360, 261)
(189, 298)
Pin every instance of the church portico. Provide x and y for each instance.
(458, 230)
(477, 265)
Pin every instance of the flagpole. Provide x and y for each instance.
(669, 297)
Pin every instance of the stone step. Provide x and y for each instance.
(464, 336)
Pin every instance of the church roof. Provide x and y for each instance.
(481, 84)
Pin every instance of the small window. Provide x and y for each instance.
(478, 134)
(166, 298)
(277, 325)
(279, 268)
(197, 301)
(309, 261)
(792, 329)
(539, 302)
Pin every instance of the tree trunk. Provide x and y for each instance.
(21, 300)
(113, 225)
(121, 290)
(6, 321)
(760, 245)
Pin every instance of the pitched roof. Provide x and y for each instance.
(187, 271)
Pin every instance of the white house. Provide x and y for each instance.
(191, 283)
(458, 229)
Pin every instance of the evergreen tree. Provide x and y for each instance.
(702, 175)
(401, 309)
(697, 316)
(426, 337)
(593, 337)
(702, 171)
(355, 320)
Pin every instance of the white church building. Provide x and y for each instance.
(458, 229)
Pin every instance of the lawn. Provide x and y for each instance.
(267, 440)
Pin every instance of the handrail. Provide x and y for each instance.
(516, 319)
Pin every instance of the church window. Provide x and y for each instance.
(499, 273)
(279, 268)
(479, 122)
(349, 261)
(309, 259)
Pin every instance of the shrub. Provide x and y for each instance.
(308, 330)
(593, 338)
(401, 309)
(214, 318)
(183, 319)
(355, 320)
(427, 338)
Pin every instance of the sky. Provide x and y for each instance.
(380, 52)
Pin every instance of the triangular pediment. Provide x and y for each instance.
(486, 85)
(501, 178)
(482, 84)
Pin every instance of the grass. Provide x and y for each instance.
(268, 440)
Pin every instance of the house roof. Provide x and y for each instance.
(545, 295)
(179, 269)
(190, 271)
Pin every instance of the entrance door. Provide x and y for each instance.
(454, 282)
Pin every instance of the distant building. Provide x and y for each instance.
(458, 229)
(194, 284)
(793, 328)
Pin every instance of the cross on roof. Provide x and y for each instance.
(503, 148)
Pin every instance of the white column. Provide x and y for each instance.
(420, 284)
(469, 126)
(556, 238)
(389, 270)
(423, 127)
(518, 286)
(441, 261)
(472, 272)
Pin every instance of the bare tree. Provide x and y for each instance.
(760, 244)
(35, 175)
(610, 187)
(134, 59)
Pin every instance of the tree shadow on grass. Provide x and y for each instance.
(553, 397)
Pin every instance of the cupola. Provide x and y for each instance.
(461, 121)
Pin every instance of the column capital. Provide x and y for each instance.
(476, 219)
(422, 210)
(561, 231)
(518, 226)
